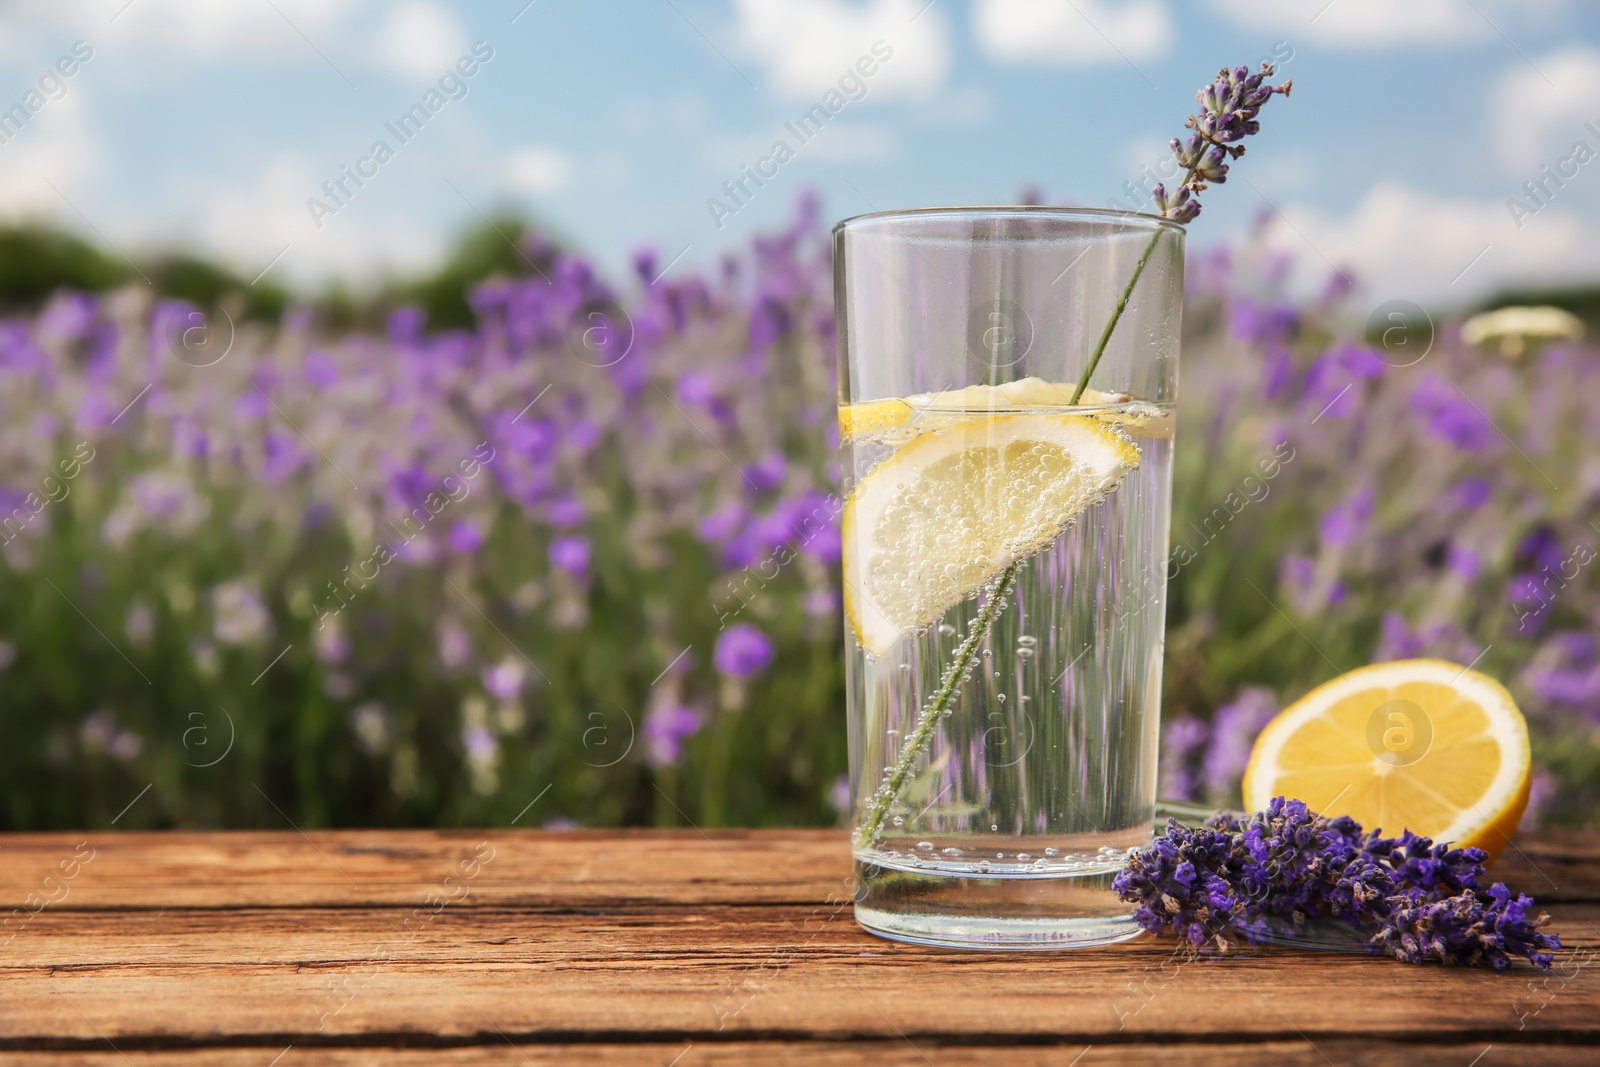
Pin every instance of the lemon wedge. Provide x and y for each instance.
(952, 508)
(1417, 744)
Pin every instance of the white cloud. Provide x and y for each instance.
(806, 45)
(215, 30)
(1534, 120)
(1416, 244)
(57, 147)
(1361, 24)
(1073, 32)
(253, 220)
(536, 170)
(419, 39)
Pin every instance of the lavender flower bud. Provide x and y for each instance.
(1212, 168)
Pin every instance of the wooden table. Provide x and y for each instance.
(681, 948)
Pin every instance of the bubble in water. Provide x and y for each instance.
(1024, 653)
(925, 846)
(1023, 857)
(946, 630)
(898, 820)
(994, 826)
(1052, 852)
(1001, 697)
(1027, 640)
(951, 851)
(983, 865)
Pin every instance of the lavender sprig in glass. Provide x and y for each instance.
(1229, 109)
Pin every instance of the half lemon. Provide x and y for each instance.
(1420, 744)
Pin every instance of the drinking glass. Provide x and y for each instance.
(1005, 552)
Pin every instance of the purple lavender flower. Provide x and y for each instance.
(1450, 416)
(742, 651)
(1233, 732)
(766, 473)
(1229, 107)
(504, 680)
(321, 371)
(480, 744)
(1183, 738)
(1462, 560)
(1237, 881)
(565, 511)
(1464, 931)
(722, 523)
(465, 537)
(571, 554)
(1470, 493)
(1346, 522)
(665, 729)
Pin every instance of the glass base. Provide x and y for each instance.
(956, 909)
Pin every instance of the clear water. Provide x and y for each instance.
(1021, 811)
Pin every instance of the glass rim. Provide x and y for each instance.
(1142, 221)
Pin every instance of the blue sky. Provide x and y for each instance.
(210, 124)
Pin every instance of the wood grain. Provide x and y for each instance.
(631, 946)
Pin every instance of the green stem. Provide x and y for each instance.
(1116, 316)
(949, 685)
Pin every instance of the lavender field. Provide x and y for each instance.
(579, 565)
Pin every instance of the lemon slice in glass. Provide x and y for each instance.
(947, 512)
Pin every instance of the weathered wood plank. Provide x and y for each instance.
(895, 1053)
(273, 976)
(356, 868)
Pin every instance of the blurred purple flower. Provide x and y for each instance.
(1280, 372)
(1462, 561)
(822, 602)
(1233, 732)
(1297, 571)
(1183, 740)
(480, 744)
(1543, 790)
(321, 371)
(742, 650)
(722, 523)
(766, 473)
(696, 387)
(1346, 522)
(330, 643)
(1469, 493)
(741, 551)
(465, 537)
(1544, 548)
(251, 405)
(565, 511)
(504, 680)
(665, 729)
(1257, 323)
(571, 554)
(406, 323)
(240, 614)
(839, 795)
(455, 645)
(1451, 416)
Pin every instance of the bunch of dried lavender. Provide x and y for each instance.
(1233, 881)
